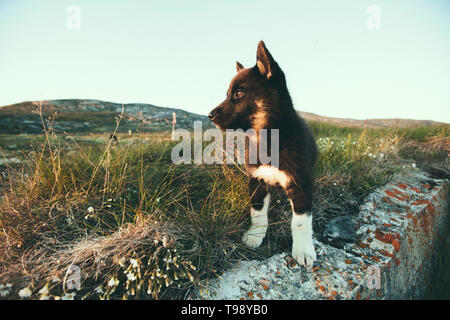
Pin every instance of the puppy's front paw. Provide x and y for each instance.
(304, 253)
(252, 238)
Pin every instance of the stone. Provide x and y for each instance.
(340, 230)
(398, 225)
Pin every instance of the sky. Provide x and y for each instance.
(341, 58)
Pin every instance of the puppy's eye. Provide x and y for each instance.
(239, 93)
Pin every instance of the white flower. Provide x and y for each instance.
(90, 210)
(99, 289)
(4, 292)
(113, 282)
(25, 292)
(134, 262)
(413, 164)
(131, 276)
(381, 155)
(68, 296)
(4, 289)
(44, 290)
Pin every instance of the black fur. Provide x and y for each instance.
(266, 103)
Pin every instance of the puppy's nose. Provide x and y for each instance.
(212, 115)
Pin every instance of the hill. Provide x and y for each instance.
(92, 116)
(368, 123)
(96, 116)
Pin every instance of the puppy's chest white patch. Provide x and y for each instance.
(271, 175)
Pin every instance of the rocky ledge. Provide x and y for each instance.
(384, 252)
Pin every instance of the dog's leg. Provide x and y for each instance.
(260, 199)
(301, 226)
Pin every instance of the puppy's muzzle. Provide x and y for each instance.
(213, 114)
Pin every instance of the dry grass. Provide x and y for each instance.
(157, 230)
(138, 260)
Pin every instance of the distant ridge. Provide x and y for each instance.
(93, 116)
(96, 116)
(368, 123)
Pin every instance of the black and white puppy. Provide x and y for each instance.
(258, 98)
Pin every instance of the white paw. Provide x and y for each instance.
(252, 238)
(304, 253)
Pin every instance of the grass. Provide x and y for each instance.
(139, 226)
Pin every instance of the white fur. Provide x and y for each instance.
(302, 244)
(271, 175)
(257, 231)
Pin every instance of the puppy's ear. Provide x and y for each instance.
(264, 61)
(239, 66)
